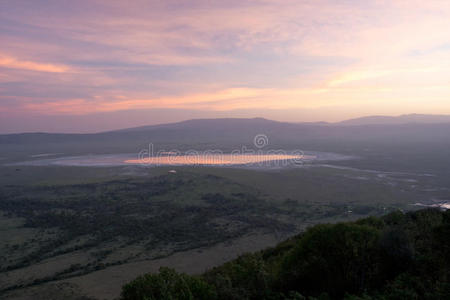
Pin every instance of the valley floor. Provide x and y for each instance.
(81, 233)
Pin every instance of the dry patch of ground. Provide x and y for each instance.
(107, 283)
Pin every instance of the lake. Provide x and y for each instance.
(267, 159)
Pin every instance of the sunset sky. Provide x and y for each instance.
(87, 66)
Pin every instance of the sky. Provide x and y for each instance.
(89, 66)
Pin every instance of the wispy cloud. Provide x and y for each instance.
(105, 56)
(14, 63)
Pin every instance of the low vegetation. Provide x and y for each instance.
(57, 228)
(130, 211)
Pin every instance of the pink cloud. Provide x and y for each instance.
(14, 63)
(154, 54)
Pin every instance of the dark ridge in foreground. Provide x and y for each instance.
(398, 256)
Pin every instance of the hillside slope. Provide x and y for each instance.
(398, 256)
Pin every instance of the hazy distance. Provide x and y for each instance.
(84, 66)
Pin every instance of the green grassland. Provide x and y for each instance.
(75, 221)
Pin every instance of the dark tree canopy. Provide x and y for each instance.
(398, 256)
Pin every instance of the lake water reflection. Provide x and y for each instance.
(202, 159)
(220, 159)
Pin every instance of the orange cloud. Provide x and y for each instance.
(336, 94)
(371, 48)
(108, 104)
(13, 63)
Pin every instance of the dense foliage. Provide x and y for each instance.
(398, 256)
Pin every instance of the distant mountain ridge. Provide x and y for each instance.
(402, 119)
(239, 130)
(367, 135)
(237, 122)
(211, 123)
(221, 124)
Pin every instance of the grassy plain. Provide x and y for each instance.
(64, 228)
